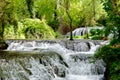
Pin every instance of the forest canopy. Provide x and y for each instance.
(58, 14)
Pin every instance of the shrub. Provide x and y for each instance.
(9, 32)
(115, 70)
(114, 41)
(37, 29)
(108, 53)
(96, 34)
(111, 55)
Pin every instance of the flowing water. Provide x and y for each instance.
(51, 60)
(83, 30)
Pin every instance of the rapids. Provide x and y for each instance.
(51, 60)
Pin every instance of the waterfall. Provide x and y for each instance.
(51, 60)
(82, 31)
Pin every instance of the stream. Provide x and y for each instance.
(51, 60)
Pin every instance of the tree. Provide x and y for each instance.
(2, 7)
(113, 18)
(30, 4)
(67, 6)
(3, 16)
(47, 11)
(74, 13)
(21, 9)
(7, 16)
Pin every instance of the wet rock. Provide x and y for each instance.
(3, 45)
(60, 71)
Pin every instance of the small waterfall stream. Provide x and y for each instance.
(83, 30)
(51, 60)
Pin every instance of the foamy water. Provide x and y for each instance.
(62, 64)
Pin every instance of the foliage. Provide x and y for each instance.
(81, 12)
(58, 35)
(115, 70)
(78, 37)
(97, 34)
(30, 4)
(112, 7)
(47, 11)
(37, 29)
(21, 9)
(114, 41)
(6, 15)
(9, 32)
(110, 54)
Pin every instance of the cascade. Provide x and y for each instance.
(82, 31)
(51, 60)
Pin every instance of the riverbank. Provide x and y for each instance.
(111, 56)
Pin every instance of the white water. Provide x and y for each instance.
(83, 30)
(80, 65)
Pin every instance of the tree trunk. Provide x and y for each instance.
(71, 35)
(94, 13)
(107, 73)
(56, 23)
(87, 32)
(30, 4)
(1, 29)
(55, 13)
(67, 5)
(1, 32)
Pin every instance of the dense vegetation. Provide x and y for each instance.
(61, 15)
(111, 53)
(36, 29)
